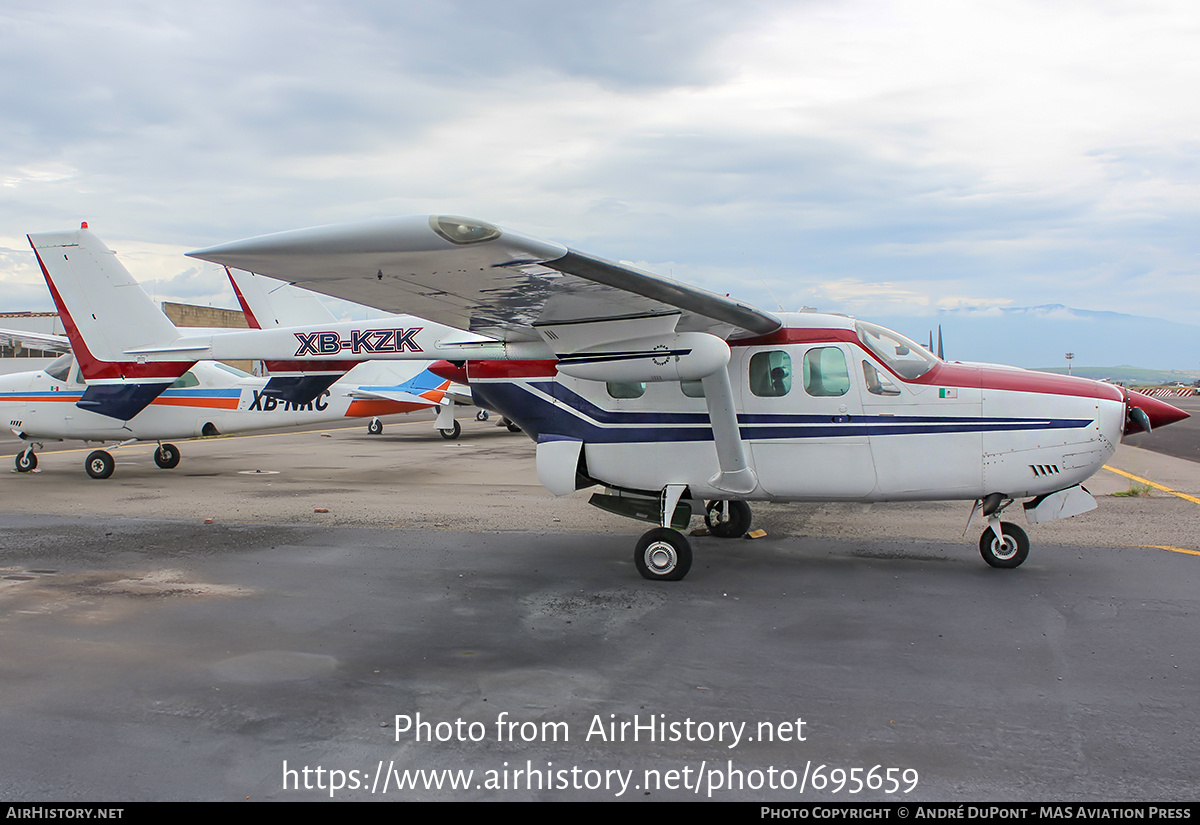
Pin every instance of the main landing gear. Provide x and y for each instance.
(375, 427)
(664, 553)
(451, 433)
(100, 463)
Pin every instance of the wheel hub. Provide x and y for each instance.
(1004, 550)
(661, 557)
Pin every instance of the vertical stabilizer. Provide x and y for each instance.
(105, 312)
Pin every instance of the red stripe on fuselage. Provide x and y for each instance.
(511, 369)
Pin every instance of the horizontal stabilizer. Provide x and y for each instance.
(298, 390)
(119, 401)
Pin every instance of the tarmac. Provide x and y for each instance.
(448, 615)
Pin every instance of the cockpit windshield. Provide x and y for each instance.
(60, 367)
(900, 355)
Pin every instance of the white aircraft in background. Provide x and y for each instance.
(664, 394)
(63, 402)
(270, 303)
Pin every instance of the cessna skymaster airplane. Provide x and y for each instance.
(666, 395)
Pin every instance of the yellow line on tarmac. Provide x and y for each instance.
(1149, 483)
(1172, 549)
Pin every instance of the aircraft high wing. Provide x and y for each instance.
(672, 398)
(47, 342)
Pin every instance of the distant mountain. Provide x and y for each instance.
(1040, 336)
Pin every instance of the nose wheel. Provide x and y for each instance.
(1007, 552)
(26, 461)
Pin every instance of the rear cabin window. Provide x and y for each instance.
(692, 389)
(825, 373)
(770, 374)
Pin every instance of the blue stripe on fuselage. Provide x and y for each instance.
(573, 416)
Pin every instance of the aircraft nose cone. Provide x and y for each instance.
(1160, 413)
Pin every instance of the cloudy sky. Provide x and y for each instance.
(884, 159)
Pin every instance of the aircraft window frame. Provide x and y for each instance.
(61, 367)
(625, 390)
(764, 380)
(903, 357)
(878, 383)
(823, 379)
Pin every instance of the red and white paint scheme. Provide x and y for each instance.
(672, 398)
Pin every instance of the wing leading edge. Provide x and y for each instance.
(475, 276)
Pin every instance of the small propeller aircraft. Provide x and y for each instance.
(61, 402)
(276, 303)
(671, 398)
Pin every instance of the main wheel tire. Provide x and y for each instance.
(1009, 553)
(451, 433)
(512, 427)
(167, 456)
(482, 415)
(99, 464)
(663, 554)
(733, 523)
(26, 461)
(375, 427)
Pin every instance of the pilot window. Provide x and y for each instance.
(770, 374)
(877, 382)
(625, 389)
(185, 380)
(825, 373)
(60, 367)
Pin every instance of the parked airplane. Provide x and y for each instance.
(65, 402)
(273, 303)
(664, 394)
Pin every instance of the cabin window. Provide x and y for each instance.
(59, 368)
(185, 380)
(877, 382)
(825, 373)
(692, 389)
(626, 389)
(770, 374)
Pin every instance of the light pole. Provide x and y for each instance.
(1070, 358)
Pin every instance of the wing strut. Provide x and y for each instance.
(735, 476)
